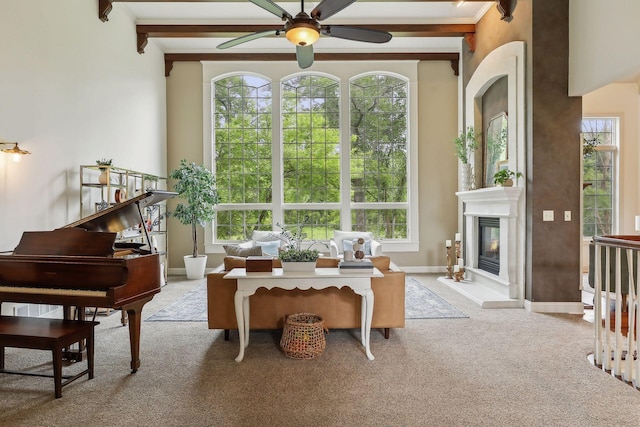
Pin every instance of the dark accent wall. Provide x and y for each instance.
(552, 142)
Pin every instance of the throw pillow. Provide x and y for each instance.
(235, 250)
(269, 248)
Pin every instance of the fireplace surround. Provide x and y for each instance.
(502, 206)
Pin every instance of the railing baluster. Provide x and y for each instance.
(597, 305)
(618, 313)
(627, 372)
(636, 347)
(607, 311)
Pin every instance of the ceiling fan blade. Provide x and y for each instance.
(328, 8)
(304, 54)
(358, 34)
(270, 6)
(247, 38)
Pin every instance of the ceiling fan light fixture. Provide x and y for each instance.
(303, 34)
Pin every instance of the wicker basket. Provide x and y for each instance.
(303, 336)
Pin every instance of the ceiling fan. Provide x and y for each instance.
(305, 30)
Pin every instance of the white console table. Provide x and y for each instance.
(321, 278)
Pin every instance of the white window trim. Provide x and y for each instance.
(614, 148)
(345, 72)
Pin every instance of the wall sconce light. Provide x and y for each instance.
(15, 151)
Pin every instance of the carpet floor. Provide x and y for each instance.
(508, 367)
(420, 303)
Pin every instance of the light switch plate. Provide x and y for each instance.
(547, 215)
(567, 215)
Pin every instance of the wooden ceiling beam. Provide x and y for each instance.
(144, 32)
(398, 30)
(170, 58)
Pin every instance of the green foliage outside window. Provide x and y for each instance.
(598, 176)
(311, 155)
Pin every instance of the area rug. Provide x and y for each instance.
(420, 303)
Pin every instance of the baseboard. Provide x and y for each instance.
(572, 307)
(423, 269)
(183, 272)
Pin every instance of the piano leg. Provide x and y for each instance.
(134, 312)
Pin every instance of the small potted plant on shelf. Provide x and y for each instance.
(465, 144)
(197, 185)
(293, 257)
(103, 165)
(505, 177)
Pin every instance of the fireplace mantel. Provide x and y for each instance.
(492, 201)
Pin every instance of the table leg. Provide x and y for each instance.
(237, 299)
(247, 311)
(363, 320)
(368, 302)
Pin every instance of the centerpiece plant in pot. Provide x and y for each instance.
(197, 185)
(505, 177)
(292, 256)
(465, 144)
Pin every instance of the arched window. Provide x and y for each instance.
(318, 151)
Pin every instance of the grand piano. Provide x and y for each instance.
(81, 265)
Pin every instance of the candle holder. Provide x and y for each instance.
(449, 263)
(459, 275)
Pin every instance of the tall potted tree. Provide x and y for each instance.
(197, 185)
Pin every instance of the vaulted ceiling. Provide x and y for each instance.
(192, 30)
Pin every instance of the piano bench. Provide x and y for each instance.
(47, 334)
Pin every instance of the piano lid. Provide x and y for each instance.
(123, 215)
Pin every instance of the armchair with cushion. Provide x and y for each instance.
(342, 238)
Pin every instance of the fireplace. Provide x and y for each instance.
(494, 247)
(489, 244)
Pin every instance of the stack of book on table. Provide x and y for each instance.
(359, 266)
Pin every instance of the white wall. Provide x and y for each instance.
(603, 43)
(620, 100)
(72, 90)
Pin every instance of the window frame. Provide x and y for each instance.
(344, 73)
(615, 180)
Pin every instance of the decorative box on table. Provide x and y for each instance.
(257, 264)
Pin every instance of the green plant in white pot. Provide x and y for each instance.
(293, 257)
(505, 177)
(197, 186)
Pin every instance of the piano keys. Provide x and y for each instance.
(78, 265)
